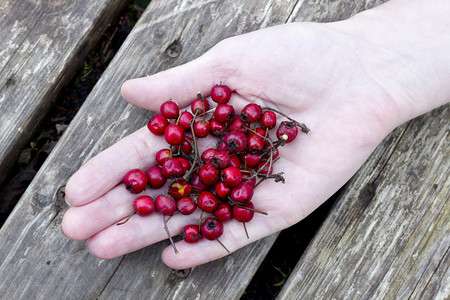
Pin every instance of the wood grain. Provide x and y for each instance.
(388, 236)
(43, 43)
(34, 252)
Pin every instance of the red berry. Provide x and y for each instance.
(268, 119)
(209, 174)
(251, 159)
(158, 124)
(174, 134)
(217, 128)
(207, 202)
(185, 120)
(163, 155)
(238, 125)
(242, 193)
(222, 190)
(186, 205)
(170, 110)
(220, 93)
(224, 113)
(241, 214)
(221, 159)
(235, 141)
(287, 131)
(255, 142)
(208, 155)
(251, 113)
(201, 128)
(179, 189)
(191, 233)
(231, 176)
(165, 204)
(223, 212)
(263, 167)
(144, 205)
(135, 181)
(185, 164)
(235, 161)
(172, 168)
(155, 176)
(197, 185)
(198, 104)
(211, 228)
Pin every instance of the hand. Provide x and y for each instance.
(308, 71)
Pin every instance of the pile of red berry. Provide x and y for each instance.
(220, 180)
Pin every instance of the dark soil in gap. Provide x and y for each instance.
(287, 249)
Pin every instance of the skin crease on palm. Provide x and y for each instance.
(319, 78)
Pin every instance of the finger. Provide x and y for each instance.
(107, 169)
(181, 84)
(234, 237)
(137, 233)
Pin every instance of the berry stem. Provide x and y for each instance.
(302, 126)
(245, 229)
(252, 209)
(194, 139)
(228, 251)
(168, 234)
(126, 220)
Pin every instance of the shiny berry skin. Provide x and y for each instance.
(255, 142)
(144, 205)
(174, 134)
(191, 233)
(135, 181)
(221, 159)
(155, 177)
(217, 128)
(242, 193)
(289, 129)
(207, 202)
(163, 155)
(235, 141)
(197, 185)
(208, 155)
(241, 214)
(251, 113)
(201, 128)
(165, 204)
(185, 164)
(220, 93)
(197, 106)
(211, 229)
(186, 147)
(185, 120)
(179, 189)
(231, 176)
(158, 124)
(186, 205)
(209, 174)
(222, 190)
(251, 159)
(170, 110)
(223, 212)
(238, 125)
(224, 113)
(268, 119)
(172, 168)
(235, 161)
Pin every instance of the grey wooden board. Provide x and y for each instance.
(33, 251)
(42, 44)
(388, 236)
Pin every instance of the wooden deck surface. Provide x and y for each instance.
(387, 236)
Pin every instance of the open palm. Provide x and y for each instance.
(309, 72)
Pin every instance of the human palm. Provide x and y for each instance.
(307, 71)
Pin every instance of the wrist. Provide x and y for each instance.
(404, 48)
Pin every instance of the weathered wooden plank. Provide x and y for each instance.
(33, 248)
(43, 43)
(388, 235)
